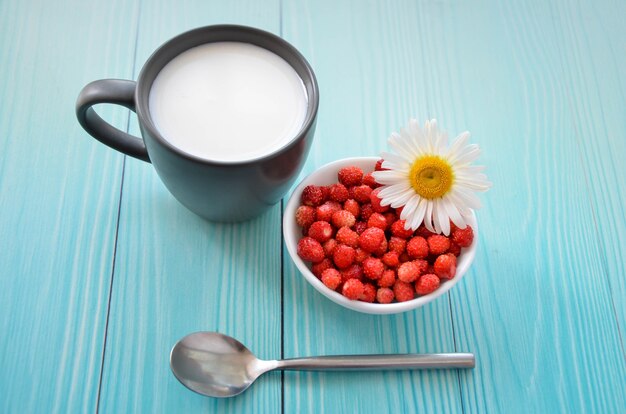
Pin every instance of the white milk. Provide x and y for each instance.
(228, 101)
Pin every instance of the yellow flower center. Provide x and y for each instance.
(431, 176)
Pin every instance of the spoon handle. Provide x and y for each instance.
(379, 362)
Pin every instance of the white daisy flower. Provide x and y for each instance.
(434, 181)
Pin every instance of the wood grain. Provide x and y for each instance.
(176, 273)
(59, 195)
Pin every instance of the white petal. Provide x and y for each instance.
(409, 207)
(474, 184)
(459, 204)
(468, 198)
(402, 146)
(403, 198)
(458, 144)
(452, 211)
(393, 190)
(428, 217)
(418, 215)
(444, 219)
(396, 159)
(389, 177)
(469, 154)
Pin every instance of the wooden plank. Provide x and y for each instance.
(59, 196)
(369, 63)
(536, 307)
(176, 273)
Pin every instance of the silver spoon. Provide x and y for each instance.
(217, 365)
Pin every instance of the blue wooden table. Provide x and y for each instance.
(101, 270)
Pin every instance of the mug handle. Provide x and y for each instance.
(113, 91)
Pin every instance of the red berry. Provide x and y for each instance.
(445, 266)
(305, 216)
(404, 257)
(326, 210)
(353, 207)
(352, 289)
(373, 268)
(422, 265)
(408, 272)
(361, 255)
(376, 202)
(371, 239)
(370, 181)
(391, 259)
(379, 166)
(398, 230)
(399, 211)
(353, 272)
(388, 278)
(329, 247)
(403, 291)
(384, 295)
(438, 244)
(391, 218)
(426, 284)
(318, 268)
(343, 218)
(310, 249)
(417, 248)
(350, 176)
(361, 193)
(321, 231)
(347, 237)
(382, 249)
(369, 293)
(338, 192)
(397, 244)
(455, 249)
(331, 278)
(343, 256)
(463, 237)
(360, 227)
(377, 220)
(423, 232)
(312, 195)
(366, 211)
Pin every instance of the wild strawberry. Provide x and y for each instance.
(352, 206)
(369, 293)
(417, 248)
(360, 255)
(326, 210)
(463, 237)
(343, 218)
(312, 195)
(361, 193)
(403, 291)
(397, 244)
(379, 166)
(343, 256)
(423, 232)
(347, 237)
(318, 268)
(352, 289)
(350, 176)
(331, 278)
(422, 265)
(353, 272)
(426, 284)
(404, 257)
(305, 216)
(329, 247)
(370, 181)
(387, 279)
(382, 249)
(310, 250)
(391, 218)
(398, 230)
(366, 211)
(321, 231)
(445, 266)
(375, 200)
(377, 220)
(360, 227)
(384, 295)
(438, 244)
(338, 192)
(391, 259)
(455, 249)
(373, 268)
(371, 239)
(408, 272)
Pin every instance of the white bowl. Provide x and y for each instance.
(327, 175)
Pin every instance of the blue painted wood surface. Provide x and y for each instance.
(102, 270)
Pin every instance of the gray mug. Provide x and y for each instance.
(215, 190)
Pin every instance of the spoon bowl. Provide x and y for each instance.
(216, 365)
